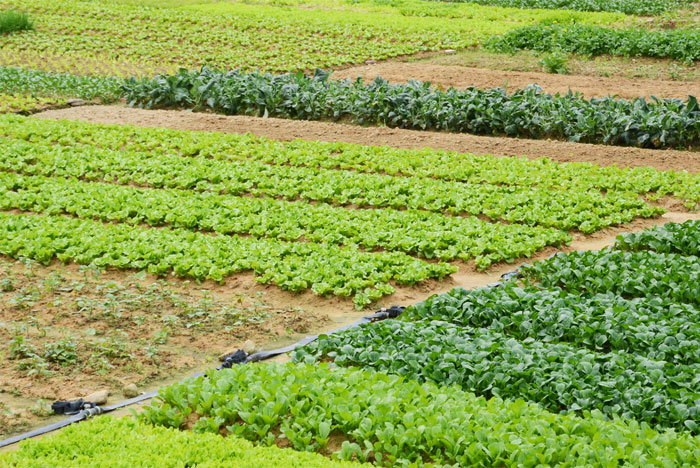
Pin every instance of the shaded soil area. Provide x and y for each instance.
(446, 76)
(286, 130)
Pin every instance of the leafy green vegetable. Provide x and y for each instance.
(651, 327)
(631, 7)
(430, 235)
(20, 80)
(558, 376)
(116, 443)
(679, 44)
(526, 113)
(398, 422)
(683, 238)
(628, 274)
(294, 266)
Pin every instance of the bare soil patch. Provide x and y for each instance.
(286, 130)
(446, 76)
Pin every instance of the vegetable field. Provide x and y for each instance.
(213, 253)
(187, 203)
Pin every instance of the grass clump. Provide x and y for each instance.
(13, 20)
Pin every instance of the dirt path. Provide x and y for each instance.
(462, 77)
(282, 129)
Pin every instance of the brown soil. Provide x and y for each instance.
(286, 130)
(446, 76)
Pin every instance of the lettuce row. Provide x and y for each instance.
(427, 162)
(117, 443)
(410, 231)
(679, 44)
(585, 210)
(294, 266)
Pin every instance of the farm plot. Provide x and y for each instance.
(356, 414)
(191, 203)
(610, 331)
(110, 39)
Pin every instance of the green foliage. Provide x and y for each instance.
(611, 330)
(23, 81)
(631, 7)
(116, 443)
(13, 21)
(397, 422)
(649, 326)
(110, 38)
(558, 376)
(679, 44)
(430, 235)
(628, 274)
(293, 266)
(26, 104)
(425, 163)
(526, 113)
(586, 210)
(555, 63)
(683, 238)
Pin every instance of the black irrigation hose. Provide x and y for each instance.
(239, 357)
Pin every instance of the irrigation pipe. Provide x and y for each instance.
(236, 358)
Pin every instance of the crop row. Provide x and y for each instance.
(680, 238)
(630, 7)
(679, 44)
(558, 376)
(398, 422)
(526, 113)
(294, 266)
(110, 39)
(21, 81)
(610, 330)
(415, 232)
(629, 274)
(650, 327)
(458, 167)
(25, 104)
(114, 443)
(587, 211)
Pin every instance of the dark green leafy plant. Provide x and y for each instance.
(527, 113)
(651, 327)
(557, 376)
(683, 238)
(628, 274)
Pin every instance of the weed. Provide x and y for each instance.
(13, 20)
(556, 62)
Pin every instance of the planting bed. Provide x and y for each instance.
(141, 246)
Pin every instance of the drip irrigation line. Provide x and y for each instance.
(88, 409)
(239, 357)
